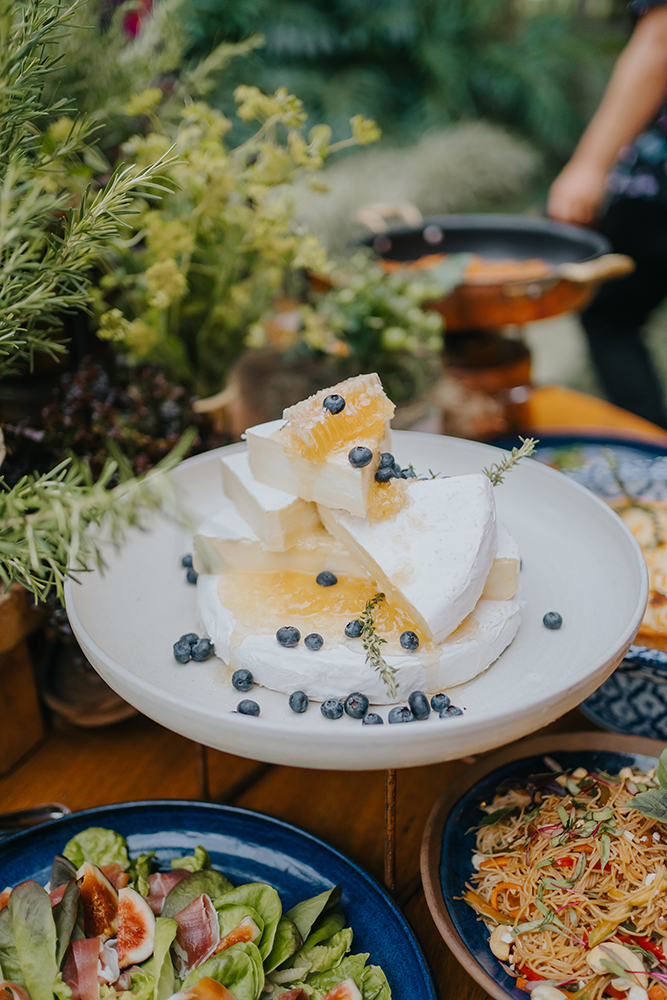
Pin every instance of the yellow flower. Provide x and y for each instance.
(283, 106)
(394, 338)
(140, 104)
(167, 237)
(165, 283)
(113, 326)
(364, 130)
(310, 254)
(256, 336)
(145, 150)
(141, 337)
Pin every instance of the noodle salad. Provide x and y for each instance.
(571, 881)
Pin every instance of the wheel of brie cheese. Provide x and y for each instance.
(413, 556)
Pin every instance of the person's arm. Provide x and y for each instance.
(636, 90)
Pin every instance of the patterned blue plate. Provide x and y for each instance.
(634, 699)
(246, 846)
(449, 842)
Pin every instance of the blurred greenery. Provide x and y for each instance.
(537, 67)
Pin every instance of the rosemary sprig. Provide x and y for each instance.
(496, 473)
(372, 642)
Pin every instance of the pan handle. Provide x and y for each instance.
(611, 265)
(375, 216)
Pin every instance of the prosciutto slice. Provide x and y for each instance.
(198, 934)
(56, 895)
(116, 874)
(293, 995)
(13, 990)
(247, 930)
(4, 899)
(81, 968)
(160, 885)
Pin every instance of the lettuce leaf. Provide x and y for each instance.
(231, 915)
(305, 914)
(328, 953)
(163, 968)
(374, 985)
(34, 938)
(62, 871)
(260, 897)
(233, 968)
(139, 870)
(9, 956)
(196, 862)
(286, 943)
(351, 967)
(64, 914)
(99, 846)
(210, 881)
(250, 949)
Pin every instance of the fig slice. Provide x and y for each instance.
(136, 928)
(100, 902)
(347, 990)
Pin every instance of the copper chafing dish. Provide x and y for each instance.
(577, 260)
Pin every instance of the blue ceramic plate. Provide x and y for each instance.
(447, 848)
(247, 847)
(634, 699)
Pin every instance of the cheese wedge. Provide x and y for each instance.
(432, 558)
(502, 582)
(279, 519)
(334, 483)
(226, 542)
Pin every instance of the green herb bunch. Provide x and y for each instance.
(201, 271)
(373, 321)
(372, 642)
(53, 229)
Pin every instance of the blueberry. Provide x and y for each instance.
(190, 637)
(409, 640)
(326, 579)
(334, 403)
(332, 708)
(409, 473)
(553, 620)
(313, 641)
(450, 711)
(384, 474)
(247, 707)
(242, 680)
(182, 651)
(360, 457)
(440, 702)
(288, 636)
(202, 650)
(356, 705)
(353, 629)
(386, 460)
(191, 575)
(401, 714)
(372, 719)
(186, 561)
(398, 471)
(419, 704)
(298, 701)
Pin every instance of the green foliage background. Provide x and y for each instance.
(537, 67)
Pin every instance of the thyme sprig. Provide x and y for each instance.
(497, 472)
(372, 642)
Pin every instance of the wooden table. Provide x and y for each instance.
(138, 759)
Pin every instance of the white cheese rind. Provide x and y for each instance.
(336, 671)
(334, 483)
(226, 542)
(431, 558)
(278, 518)
(502, 582)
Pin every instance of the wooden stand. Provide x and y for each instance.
(22, 726)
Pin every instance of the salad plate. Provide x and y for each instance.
(579, 559)
(246, 847)
(634, 698)
(449, 838)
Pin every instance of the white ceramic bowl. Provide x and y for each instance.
(578, 559)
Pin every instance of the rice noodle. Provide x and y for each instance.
(510, 879)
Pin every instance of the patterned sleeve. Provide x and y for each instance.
(639, 7)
